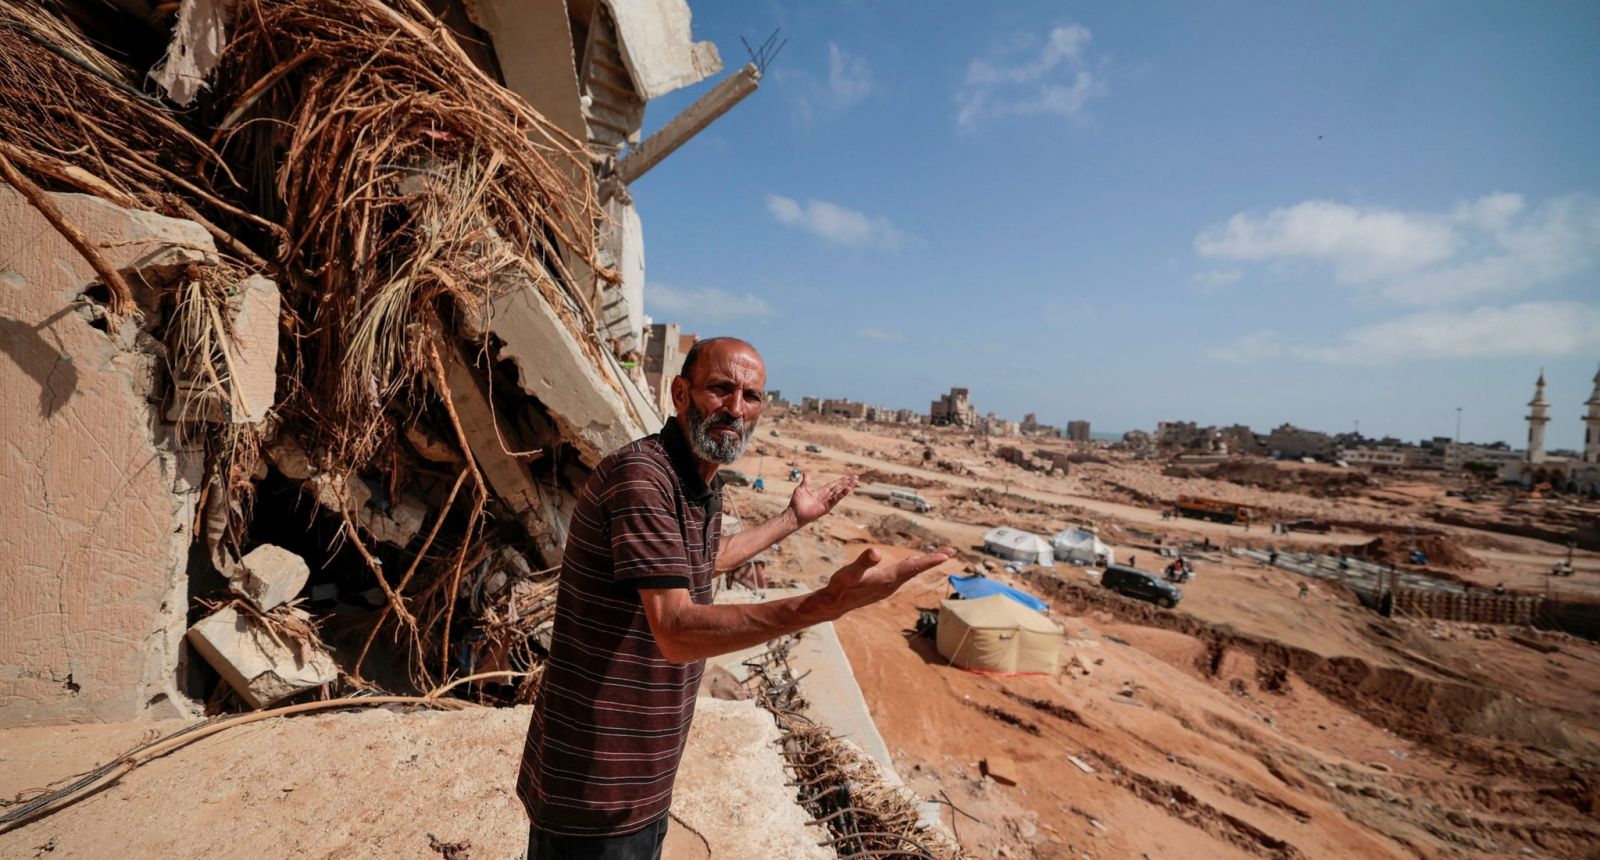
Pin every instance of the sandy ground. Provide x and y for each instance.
(376, 783)
(1259, 724)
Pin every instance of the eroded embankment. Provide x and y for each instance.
(1426, 702)
(1530, 780)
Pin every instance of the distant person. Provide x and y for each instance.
(1130, 560)
(1304, 590)
(634, 621)
(1500, 588)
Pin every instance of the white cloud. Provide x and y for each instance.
(849, 82)
(1493, 245)
(1218, 277)
(879, 334)
(835, 223)
(1360, 244)
(707, 304)
(1531, 329)
(849, 78)
(1540, 329)
(1251, 347)
(1054, 79)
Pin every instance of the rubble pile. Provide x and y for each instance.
(385, 349)
(1440, 551)
(1316, 483)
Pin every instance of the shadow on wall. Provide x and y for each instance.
(48, 366)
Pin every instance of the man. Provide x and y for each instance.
(634, 620)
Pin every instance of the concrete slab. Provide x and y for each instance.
(829, 685)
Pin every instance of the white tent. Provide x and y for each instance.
(1081, 547)
(997, 634)
(1018, 545)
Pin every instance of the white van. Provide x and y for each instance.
(909, 500)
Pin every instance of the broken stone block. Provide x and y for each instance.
(1000, 769)
(251, 360)
(400, 524)
(258, 667)
(347, 493)
(270, 576)
(290, 457)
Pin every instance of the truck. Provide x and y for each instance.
(1216, 510)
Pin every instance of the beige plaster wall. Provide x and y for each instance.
(96, 502)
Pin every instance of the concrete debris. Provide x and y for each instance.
(430, 446)
(1080, 764)
(340, 493)
(260, 667)
(270, 576)
(400, 524)
(657, 47)
(250, 355)
(155, 360)
(290, 458)
(581, 390)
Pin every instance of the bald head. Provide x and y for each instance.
(715, 346)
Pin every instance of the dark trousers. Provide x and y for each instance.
(641, 845)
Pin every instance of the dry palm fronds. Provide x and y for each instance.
(71, 118)
(411, 186)
(405, 175)
(841, 787)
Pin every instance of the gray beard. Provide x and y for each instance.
(710, 448)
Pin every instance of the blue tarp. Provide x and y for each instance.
(974, 587)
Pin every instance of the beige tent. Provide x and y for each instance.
(997, 634)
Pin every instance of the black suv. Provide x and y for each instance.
(1145, 586)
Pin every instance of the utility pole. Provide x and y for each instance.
(1458, 425)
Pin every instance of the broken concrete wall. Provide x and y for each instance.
(596, 408)
(659, 48)
(99, 503)
(622, 250)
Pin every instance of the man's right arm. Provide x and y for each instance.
(687, 631)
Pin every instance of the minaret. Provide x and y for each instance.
(1591, 425)
(1538, 409)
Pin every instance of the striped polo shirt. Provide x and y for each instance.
(612, 715)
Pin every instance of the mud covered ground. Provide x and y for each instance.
(1250, 722)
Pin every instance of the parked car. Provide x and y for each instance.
(815, 449)
(1133, 582)
(734, 477)
(909, 500)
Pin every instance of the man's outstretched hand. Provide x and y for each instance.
(809, 504)
(865, 580)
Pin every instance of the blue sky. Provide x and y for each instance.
(1320, 214)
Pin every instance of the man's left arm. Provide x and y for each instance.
(805, 506)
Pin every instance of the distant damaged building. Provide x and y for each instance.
(953, 410)
(345, 333)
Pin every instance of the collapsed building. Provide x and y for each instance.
(329, 308)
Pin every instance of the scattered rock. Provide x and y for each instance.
(1000, 769)
(270, 576)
